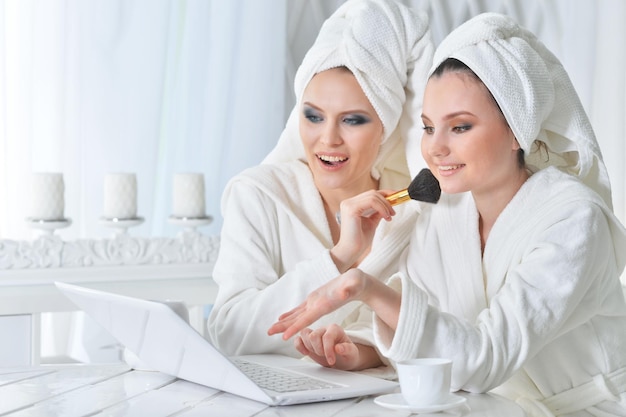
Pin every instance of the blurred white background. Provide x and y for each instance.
(155, 87)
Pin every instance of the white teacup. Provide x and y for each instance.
(425, 381)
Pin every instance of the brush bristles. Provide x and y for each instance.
(425, 187)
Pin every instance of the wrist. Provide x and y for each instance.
(371, 288)
(368, 358)
(342, 260)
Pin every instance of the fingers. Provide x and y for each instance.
(280, 326)
(329, 346)
(292, 324)
(368, 203)
(301, 347)
(299, 324)
(291, 312)
(319, 343)
(346, 350)
(326, 299)
(285, 320)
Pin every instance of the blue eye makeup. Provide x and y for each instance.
(312, 115)
(356, 120)
(462, 128)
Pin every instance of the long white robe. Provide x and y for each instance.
(541, 312)
(275, 249)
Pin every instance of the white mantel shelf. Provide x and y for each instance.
(157, 268)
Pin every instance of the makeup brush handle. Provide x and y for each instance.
(398, 197)
(394, 199)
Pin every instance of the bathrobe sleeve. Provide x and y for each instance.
(275, 250)
(269, 261)
(551, 281)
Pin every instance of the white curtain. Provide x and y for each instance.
(152, 87)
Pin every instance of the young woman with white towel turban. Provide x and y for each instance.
(517, 280)
(280, 238)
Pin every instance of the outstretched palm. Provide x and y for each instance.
(326, 299)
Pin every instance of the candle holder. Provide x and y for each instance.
(190, 223)
(121, 226)
(48, 226)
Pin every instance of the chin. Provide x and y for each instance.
(452, 189)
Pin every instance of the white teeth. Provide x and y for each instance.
(449, 167)
(328, 158)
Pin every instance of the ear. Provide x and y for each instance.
(514, 143)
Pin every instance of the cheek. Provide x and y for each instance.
(307, 134)
(426, 144)
(423, 147)
(369, 142)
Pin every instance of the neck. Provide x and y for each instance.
(332, 199)
(334, 196)
(490, 204)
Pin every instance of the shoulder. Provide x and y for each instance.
(288, 185)
(274, 179)
(552, 188)
(555, 199)
(273, 174)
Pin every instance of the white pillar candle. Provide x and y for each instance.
(188, 196)
(47, 196)
(120, 196)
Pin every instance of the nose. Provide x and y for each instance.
(436, 145)
(331, 134)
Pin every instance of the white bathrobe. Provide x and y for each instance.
(275, 240)
(541, 312)
(275, 250)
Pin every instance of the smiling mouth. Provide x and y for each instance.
(450, 167)
(331, 160)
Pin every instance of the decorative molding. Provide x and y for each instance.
(50, 251)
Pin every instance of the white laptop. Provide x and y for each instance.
(162, 340)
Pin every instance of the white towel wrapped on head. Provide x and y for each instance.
(388, 48)
(534, 92)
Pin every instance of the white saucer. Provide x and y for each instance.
(396, 402)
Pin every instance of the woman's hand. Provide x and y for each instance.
(333, 348)
(353, 285)
(326, 299)
(330, 347)
(360, 216)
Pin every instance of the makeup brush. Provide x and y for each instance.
(424, 187)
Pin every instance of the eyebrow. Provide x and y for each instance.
(361, 111)
(452, 115)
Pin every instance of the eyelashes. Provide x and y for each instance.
(352, 119)
(462, 128)
(456, 129)
(356, 120)
(312, 115)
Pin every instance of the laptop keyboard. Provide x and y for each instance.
(280, 380)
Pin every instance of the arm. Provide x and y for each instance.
(360, 216)
(555, 284)
(353, 285)
(272, 255)
(262, 270)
